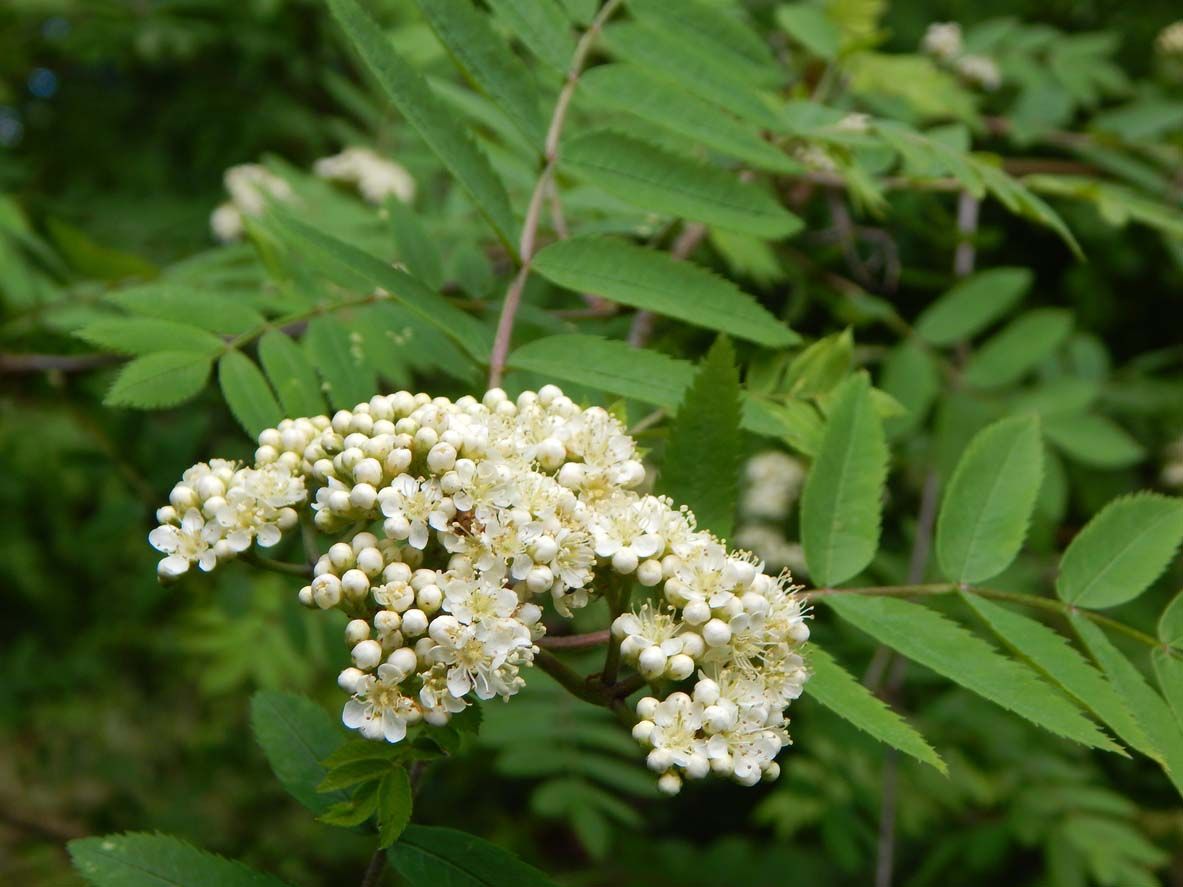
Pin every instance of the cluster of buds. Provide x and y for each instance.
(250, 186)
(1170, 40)
(459, 522)
(375, 177)
(942, 41)
(219, 508)
(772, 483)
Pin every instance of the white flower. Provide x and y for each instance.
(472, 600)
(482, 657)
(981, 70)
(191, 542)
(376, 177)
(411, 506)
(773, 480)
(378, 709)
(943, 40)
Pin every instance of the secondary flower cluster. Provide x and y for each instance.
(251, 186)
(459, 521)
(943, 42)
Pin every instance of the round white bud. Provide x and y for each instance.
(649, 572)
(305, 596)
(652, 661)
(642, 730)
(716, 633)
(429, 598)
(624, 561)
(799, 632)
(543, 549)
(387, 621)
(659, 760)
(706, 692)
(669, 784)
(367, 655)
(348, 679)
(355, 585)
(371, 562)
(441, 457)
(403, 659)
(414, 623)
(680, 667)
(368, 471)
(357, 631)
(326, 591)
(363, 497)
(341, 556)
(692, 644)
(696, 612)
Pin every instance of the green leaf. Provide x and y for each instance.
(488, 62)
(703, 72)
(355, 269)
(415, 247)
(247, 393)
(395, 800)
(354, 811)
(635, 91)
(706, 432)
(163, 379)
(1020, 347)
(1056, 659)
(810, 27)
(932, 640)
(187, 305)
(842, 501)
(292, 376)
(147, 335)
(139, 860)
(972, 305)
(714, 31)
(655, 180)
(434, 122)
(1151, 712)
(988, 503)
(1123, 549)
(542, 27)
(653, 281)
(296, 734)
(1170, 623)
(911, 376)
(1168, 668)
(835, 688)
(340, 360)
(355, 772)
(1092, 440)
(821, 366)
(354, 750)
(428, 856)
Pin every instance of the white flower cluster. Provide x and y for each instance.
(218, 509)
(773, 481)
(1170, 39)
(250, 186)
(943, 42)
(375, 177)
(1172, 466)
(461, 520)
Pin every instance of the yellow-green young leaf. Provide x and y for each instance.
(338, 357)
(488, 62)
(654, 281)
(292, 376)
(988, 502)
(843, 497)
(707, 76)
(1020, 347)
(1168, 668)
(821, 366)
(355, 269)
(835, 688)
(810, 27)
(146, 335)
(138, 860)
(158, 380)
(353, 811)
(296, 734)
(928, 638)
(705, 433)
(1093, 440)
(395, 800)
(430, 856)
(1124, 548)
(972, 305)
(715, 31)
(795, 422)
(437, 126)
(660, 182)
(542, 27)
(1170, 623)
(247, 393)
(1147, 706)
(1055, 658)
(184, 304)
(635, 91)
(911, 376)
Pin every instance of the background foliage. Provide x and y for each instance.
(124, 706)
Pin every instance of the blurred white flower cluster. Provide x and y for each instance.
(1172, 464)
(251, 186)
(772, 483)
(1170, 39)
(375, 177)
(943, 42)
(459, 521)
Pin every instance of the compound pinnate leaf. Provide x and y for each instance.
(429, 856)
(296, 734)
(162, 379)
(139, 860)
(247, 393)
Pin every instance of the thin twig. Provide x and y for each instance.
(526, 245)
(967, 228)
(374, 871)
(576, 641)
(62, 363)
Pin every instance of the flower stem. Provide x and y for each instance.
(266, 563)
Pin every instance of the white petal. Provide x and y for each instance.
(354, 714)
